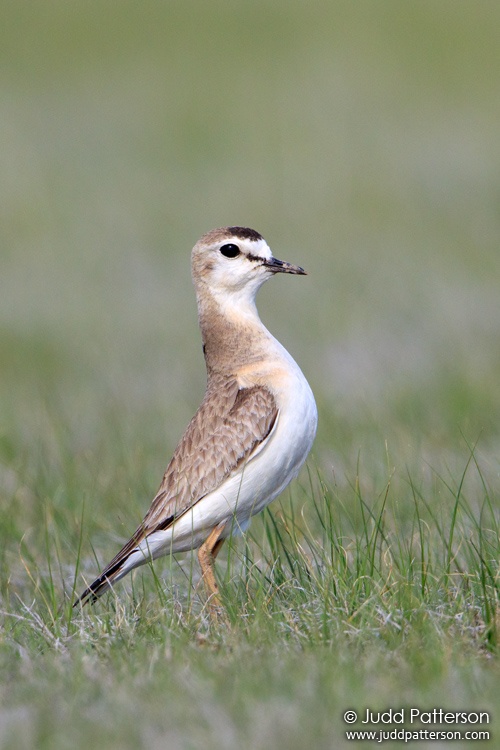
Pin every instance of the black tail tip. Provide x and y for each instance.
(88, 597)
(93, 592)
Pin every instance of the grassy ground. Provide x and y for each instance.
(362, 141)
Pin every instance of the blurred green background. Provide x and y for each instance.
(362, 140)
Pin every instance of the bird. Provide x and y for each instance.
(253, 430)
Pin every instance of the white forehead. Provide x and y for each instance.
(249, 247)
(249, 241)
(255, 248)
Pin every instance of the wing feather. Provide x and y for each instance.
(229, 425)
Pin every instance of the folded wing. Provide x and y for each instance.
(230, 425)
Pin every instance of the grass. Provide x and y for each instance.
(362, 141)
(337, 599)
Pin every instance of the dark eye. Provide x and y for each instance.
(230, 251)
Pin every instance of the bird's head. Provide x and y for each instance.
(235, 261)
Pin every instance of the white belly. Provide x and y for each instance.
(264, 476)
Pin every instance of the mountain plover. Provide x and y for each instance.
(253, 430)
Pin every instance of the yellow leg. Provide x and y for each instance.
(206, 556)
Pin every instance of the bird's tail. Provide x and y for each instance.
(101, 584)
(126, 559)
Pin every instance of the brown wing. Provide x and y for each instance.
(229, 425)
